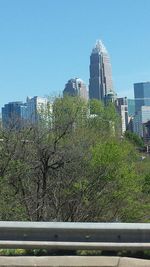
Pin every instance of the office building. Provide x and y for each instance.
(122, 108)
(36, 108)
(76, 87)
(131, 107)
(18, 114)
(146, 132)
(140, 118)
(141, 95)
(13, 114)
(110, 98)
(0, 120)
(131, 114)
(100, 82)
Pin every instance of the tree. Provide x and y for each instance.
(70, 167)
(134, 139)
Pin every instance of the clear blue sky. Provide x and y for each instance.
(43, 43)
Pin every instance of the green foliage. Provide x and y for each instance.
(73, 166)
(12, 252)
(96, 107)
(117, 180)
(23, 252)
(89, 252)
(134, 139)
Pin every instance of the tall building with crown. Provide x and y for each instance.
(100, 82)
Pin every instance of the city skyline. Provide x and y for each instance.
(45, 43)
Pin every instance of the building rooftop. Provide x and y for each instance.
(99, 47)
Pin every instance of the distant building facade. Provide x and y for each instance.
(35, 107)
(131, 107)
(146, 131)
(141, 95)
(122, 108)
(18, 114)
(142, 107)
(0, 120)
(110, 98)
(13, 114)
(140, 119)
(100, 82)
(76, 87)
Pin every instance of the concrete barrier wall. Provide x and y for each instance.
(72, 261)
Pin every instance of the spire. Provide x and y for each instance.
(99, 47)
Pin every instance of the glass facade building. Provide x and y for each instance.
(141, 95)
(18, 114)
(141, 117)
(13, 114)
(100, 82)
(131, 107)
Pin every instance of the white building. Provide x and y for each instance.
(36, 108)
(122, 107)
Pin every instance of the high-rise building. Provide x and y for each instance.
(0, 120)
(13, 114)
(146, 132)
(36, 106)
(122, 108)
(131, 107)
(140, 118)
(100, 82)
(141, 95)
(76, 87)
(18, 114)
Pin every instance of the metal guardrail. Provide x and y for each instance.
(59, 235)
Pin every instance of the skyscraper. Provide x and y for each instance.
(131, 107)
(76, 87)
(141, 95)
(100, 82)
(142, 117)
(13, 114)
(122, 108)
(36, 106)
(18, 114)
